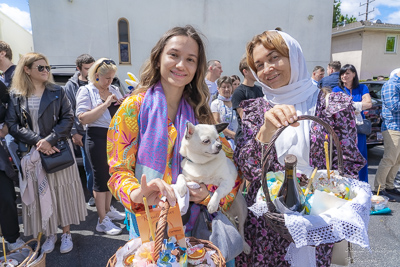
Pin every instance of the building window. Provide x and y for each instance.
(391, 43)
(123, 42)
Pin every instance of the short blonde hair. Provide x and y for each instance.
(100, 67)
(21, 82)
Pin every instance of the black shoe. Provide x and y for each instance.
(384, 193)
(393, 191)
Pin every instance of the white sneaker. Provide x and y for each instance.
(48, 245)
(114, 214)
(108, 227)
(66, 243)
(91, 202)
(17, 244)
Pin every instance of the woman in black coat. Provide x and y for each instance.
(39, 115)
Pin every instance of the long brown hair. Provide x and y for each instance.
(21, 82)
(271, 40)
(196, 93)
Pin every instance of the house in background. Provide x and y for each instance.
(19, 39)
(372, 47)
(126, 30)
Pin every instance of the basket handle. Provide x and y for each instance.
(161, 227)
(266, 162)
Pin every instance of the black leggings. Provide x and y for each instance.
(8, 209)
(97, 151)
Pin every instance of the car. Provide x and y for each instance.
(374, 113)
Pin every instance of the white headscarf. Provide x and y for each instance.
(303, 95)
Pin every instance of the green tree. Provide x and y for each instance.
(338, 17)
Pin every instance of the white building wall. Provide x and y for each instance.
(374, 60)
(19, 39)
(64, 29)
(348, 49)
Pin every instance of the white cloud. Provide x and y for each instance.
(394, 18)
(352, 8)
(389, 3)
(23, 18)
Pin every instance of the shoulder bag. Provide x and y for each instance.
(59, 160)
(366, 126)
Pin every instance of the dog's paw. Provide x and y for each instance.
(212, 207)
(246, 248)
(182, 190)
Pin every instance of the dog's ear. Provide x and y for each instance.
(189, 130)
(222, 126)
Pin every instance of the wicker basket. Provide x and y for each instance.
(32, 254)
(274, 219)
(217, 257)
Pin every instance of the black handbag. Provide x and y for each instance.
(59, 160)
(365, 128)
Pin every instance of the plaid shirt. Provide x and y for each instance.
(391, 104)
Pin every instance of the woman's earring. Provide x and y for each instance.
(97, 80)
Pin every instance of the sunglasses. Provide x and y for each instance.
(105, 61)
(41, 68)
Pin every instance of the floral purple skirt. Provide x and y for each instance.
(269, 248)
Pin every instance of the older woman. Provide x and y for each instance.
(96, 104)
(359, 93)
(222, 110)
(39, 115)
(277, 62)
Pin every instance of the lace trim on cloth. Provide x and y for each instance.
(349, 222)
(300, 257)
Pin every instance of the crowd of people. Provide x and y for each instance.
(130, 144)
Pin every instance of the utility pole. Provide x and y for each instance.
(366, 9)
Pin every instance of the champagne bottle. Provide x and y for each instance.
(290, 191)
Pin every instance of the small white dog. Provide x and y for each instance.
(205, 162)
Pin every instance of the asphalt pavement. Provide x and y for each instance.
(93, 249)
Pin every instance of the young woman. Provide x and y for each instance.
(235, 82)
(96, 104)
(222, 110)
(145, 134)
(359, 93)
(278, 64)
(39, 115)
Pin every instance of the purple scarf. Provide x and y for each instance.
(153, 139)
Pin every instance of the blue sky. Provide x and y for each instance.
(388, 11)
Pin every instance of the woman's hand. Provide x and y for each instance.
(45, 147)
(153, 192)
(274, 118)
(199, 194)
(4, 131)
(110, 99)
(119, 101)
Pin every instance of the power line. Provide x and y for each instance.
(366, 9)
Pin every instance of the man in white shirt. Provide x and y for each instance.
(214, 71)
(318, 74)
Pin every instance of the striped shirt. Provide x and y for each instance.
(391, 104)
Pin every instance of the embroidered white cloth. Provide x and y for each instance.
(32, 170)
(349, 222)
